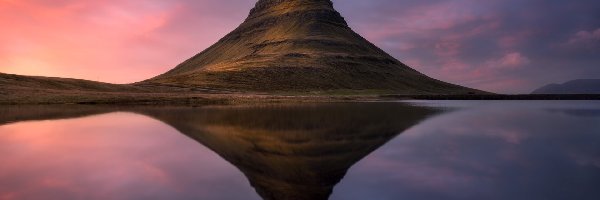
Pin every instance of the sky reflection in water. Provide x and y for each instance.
(111, 156)
(473, 150)
(487, 150)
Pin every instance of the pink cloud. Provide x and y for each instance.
(585, 36)
(490, 75)
(510, 41)
(511, 60)
(583, 40)
(422, 20)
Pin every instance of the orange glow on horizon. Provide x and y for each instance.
(110, 41)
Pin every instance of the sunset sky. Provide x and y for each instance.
(507, 46)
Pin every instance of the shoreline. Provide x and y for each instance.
(202, 99)
(498, 97)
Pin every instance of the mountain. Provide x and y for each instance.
(580, 86)
(283, 47)
(299, 46)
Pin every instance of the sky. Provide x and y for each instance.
(504, 46)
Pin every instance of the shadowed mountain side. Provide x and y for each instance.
(298, 151)
(300, 46)
(294, 151)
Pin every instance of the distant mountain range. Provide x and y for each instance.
(580, 86)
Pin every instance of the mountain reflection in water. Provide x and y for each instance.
(298, 151)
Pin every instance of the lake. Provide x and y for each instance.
(384, 150)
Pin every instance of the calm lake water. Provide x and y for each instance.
(397, 150)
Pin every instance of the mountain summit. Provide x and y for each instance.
(299, 46)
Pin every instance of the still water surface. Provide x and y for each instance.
(400, 150)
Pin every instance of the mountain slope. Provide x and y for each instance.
(12, 81)
(580, 86)
(18, 89)
(299, 46)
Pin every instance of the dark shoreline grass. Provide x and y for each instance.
(201, 99)
(497, 97)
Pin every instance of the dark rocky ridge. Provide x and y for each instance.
(299, 46)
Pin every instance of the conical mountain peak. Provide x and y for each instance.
(299, 46)
(282, 6)
(304, 10)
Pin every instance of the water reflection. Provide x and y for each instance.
(496, 150)
(285, 151)
(472, 150)
(110, 156)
